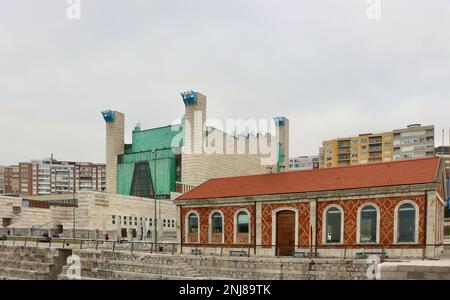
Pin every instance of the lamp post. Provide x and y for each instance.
(155, 151)
(155, 224)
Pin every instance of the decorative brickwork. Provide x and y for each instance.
(386, 206)
(228, 213)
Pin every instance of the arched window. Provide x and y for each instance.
(333, 227)
(368, 224)
(193, 223)
(406, 226)
(242, 222)
(216, 223)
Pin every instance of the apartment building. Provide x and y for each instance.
(362, 149)
(444, 153)
(2, 184)
(49, 176)
(9, 180)
(304, 163)
(414, 141)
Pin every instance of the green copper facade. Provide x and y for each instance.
(153, 146)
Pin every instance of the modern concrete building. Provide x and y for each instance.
(394, 209)
(362, 149)
(175, 158)
(2, 180)
(88, 215)
(415, 141)
(303, 163)
(444, 153)
(50, 176)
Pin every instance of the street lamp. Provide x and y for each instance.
(154, 151)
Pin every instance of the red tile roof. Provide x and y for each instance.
(404, 172)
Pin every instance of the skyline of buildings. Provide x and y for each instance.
(414, 141)
(50, 176)
(304, 162)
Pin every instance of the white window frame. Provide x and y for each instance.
(324, 225)
(416, 229)
(187, 226)
(235, 224)
(210, 225)
(358, 223)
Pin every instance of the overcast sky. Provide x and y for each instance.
(322, 63)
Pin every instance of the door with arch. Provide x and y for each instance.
(285, 233)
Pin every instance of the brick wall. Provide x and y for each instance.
(386, 206)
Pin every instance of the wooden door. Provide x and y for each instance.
(285, 235)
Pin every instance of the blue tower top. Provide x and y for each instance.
(108, 115)
(280, 121)
(190, 97)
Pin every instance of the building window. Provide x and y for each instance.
(406, 223)
(216, 222)
(333, 225)
(368, 224)
(142, 184)
(242, 222)
(193, 223)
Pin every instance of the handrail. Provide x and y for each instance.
(171, 247)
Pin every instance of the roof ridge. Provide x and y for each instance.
(331, 168)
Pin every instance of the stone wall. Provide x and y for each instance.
(420, 270)
(93, 216)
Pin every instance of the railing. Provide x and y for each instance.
(383, 251)
(183, 187)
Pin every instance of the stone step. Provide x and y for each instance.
(123, 275)
(65, 277)
(10, 278)
(28, 257)
(24, 274)
(132, 267)
(132, 257)
(25, 265)
(27, 250)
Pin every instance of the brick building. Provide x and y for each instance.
(394, 207)
(10, 180)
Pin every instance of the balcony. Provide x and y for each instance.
(343, 157)
(343, 150)
(375, 148)
(183, 187)
(375, 155)
(343, 144)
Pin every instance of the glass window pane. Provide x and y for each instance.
(406, 223)
(217, 223)
(242, 222)
(368, 226)
(142, 185)
(333, 225)
(193, 223)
